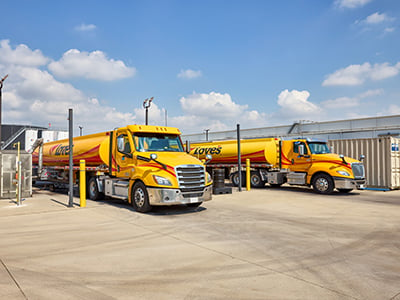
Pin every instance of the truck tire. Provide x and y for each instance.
(255, 180)
(323, 184)
(140, 198)
(235, 179)
(93, 190)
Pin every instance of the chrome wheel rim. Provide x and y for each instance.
(322, 184)
(92, 188)
(139, 197)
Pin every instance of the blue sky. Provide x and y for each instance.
(209, 64)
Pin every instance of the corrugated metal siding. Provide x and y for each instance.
(382, 159)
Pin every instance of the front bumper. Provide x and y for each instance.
(345, 183)
(159, 196)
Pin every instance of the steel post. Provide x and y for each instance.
(71, 164)
(239, 158)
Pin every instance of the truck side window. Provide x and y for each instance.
(296, 147)
(123, 144)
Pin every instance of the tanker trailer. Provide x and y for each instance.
(144, 165)
(297, 162)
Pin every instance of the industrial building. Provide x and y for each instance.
(27, 135)
(331, 130)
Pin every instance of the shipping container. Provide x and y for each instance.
(31, 136)
(49, 136)
(382, 159)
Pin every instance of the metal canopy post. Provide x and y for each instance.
(71, 164)
(239, 158)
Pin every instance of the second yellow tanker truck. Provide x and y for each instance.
(275, 161)
(145, 165)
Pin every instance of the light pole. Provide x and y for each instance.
(206, 131)
(80, 130)
(1, 87)
(146, 105)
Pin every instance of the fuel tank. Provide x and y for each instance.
(265, 151)
(94, 149)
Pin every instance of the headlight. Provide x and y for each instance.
(343, 173)
(209, 179)
(161, 180)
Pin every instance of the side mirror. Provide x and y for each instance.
(153, 156)
(208, 158)
(361, 157)
(301, 150)
(343, 160)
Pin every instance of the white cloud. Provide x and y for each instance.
(31, 95)
(393, 110)
(358, 74)
(377, 18)
(295, 103)
(93, 65)
(216, 111)
(21, 55)
(351, 3)
(85, 27)
(215, 105)
(389, 30)
(189, 74)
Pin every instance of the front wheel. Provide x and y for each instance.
(140, 198)
(323, 184)
(93, 189)
(255, 180)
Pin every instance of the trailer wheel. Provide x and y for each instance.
(140, 198)
(235, 179)
(323, 184)
(255, 180)
(93, 189)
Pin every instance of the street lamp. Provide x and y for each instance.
(206, 131)
(146, 105)
(80, 130)
(1, 86)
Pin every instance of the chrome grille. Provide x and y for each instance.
(358, 170)
(191, 180)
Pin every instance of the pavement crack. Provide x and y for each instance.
(395, 296)
(13, 278)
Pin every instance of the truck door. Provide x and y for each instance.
(123, 154)
(301, 157)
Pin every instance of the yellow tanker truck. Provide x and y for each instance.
(276, 161)
(145, 165)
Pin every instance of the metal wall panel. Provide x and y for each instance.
(8, 174)
(382, 159)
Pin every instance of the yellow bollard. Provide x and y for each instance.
(248, 174)
(82, 182)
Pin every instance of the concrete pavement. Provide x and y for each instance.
(268, 243)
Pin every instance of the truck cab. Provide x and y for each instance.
(148, 166)
(310, 162)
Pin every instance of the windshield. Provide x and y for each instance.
(146, 142)
(319, 148)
